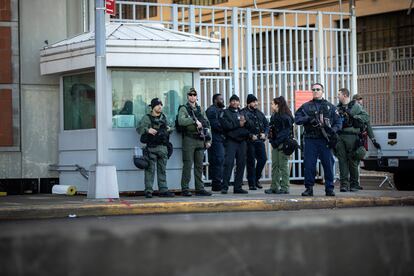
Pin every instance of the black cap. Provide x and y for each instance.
(192, 91)
(251, 98)
(155, 102)
(234, 98)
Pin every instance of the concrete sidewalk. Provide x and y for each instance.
(60, 206)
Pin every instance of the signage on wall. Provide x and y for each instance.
(110, 7)
(301, 97)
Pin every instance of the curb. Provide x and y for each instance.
(115, 209)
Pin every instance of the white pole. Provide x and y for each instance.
(235, 50)
(321, 53)
(103, 179)
(353, 52)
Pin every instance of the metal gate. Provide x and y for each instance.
(266, 52)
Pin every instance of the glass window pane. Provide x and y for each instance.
(132, 92)
(79, 101)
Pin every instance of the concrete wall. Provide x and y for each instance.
(35, 97)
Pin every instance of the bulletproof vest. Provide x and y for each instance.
(195, 114)
(345, 113)
(162, 137)
(312, 110)
(256, 120)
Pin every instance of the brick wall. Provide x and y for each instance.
(5, 13)
(5, 55)
(6, 118)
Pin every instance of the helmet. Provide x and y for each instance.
(141, 162)
(289, 146)
(360, 153)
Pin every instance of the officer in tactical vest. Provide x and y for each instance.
(256, 151)
(216, 151)
(321, 122)
(196, 138)
(155, 132)
(236, 132)
(354, 118)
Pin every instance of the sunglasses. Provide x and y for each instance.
(192, 94)
(316, 89)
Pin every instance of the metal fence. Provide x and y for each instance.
(386, 82)
(266, 52)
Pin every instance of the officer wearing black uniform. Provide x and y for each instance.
(216, 151)
(256, 152)
(321, 122)
(236, 133)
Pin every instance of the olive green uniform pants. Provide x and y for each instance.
(193, 153)
(157, 156)
(348, 165)
(280, 171)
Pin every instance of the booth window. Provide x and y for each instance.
(132, 92)
(79, 101)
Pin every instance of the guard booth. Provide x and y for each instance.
(143, 61)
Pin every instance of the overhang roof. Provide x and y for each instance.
(133, 45)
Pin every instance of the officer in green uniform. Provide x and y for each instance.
(353, 117)
(196, 138)
(154, 131)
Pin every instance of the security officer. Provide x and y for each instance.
(234, 126)
(368, 128)
(216, 151)
(256, 152)
(321, 122)
(367, 132)
(196, 138)
(155, 132)
(353, 118)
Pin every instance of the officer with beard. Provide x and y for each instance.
(216, 151)
(256, 152)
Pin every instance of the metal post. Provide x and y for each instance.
(191, 19)
(321, 53)
(175, 17)
(353, 50)
(235, 50)
(391, 83)
(103, 181)
(249, 58)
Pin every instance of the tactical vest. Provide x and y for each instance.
(162, 136)
(313, 112)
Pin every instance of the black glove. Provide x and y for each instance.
(314, 122)
(375, 143)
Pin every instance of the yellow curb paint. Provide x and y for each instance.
(115, 208)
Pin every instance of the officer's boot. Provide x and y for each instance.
(308, 192)
(343, 188)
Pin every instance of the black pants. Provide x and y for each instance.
(233, 150)
(256, 151)
(216, 160)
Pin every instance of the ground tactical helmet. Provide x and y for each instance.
(360, 153)
(141, 162)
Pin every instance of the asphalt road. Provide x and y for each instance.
(353, 241)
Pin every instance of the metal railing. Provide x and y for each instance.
(266, 52)
(386, 82)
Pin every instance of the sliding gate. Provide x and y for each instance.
(263, 51)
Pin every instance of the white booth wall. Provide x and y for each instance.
(78, 146)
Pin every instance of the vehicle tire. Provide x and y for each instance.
(403, 182)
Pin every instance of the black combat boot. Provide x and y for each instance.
(186, 193)
(308, 192)
(202, 193)
(240, 191)
(148, 194)
(343, 189)
(252, 188)
(329, 193)
(166, 194)
(258, 185)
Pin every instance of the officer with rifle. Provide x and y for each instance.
(196, 139)
(321, 122)
(350, 148)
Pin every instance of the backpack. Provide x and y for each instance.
(179, 128)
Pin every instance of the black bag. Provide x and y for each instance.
(179, 128)
(170, 149)
(289, 146)
(142, 162)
